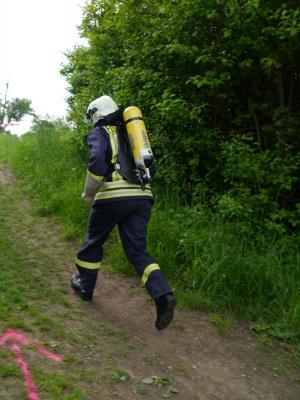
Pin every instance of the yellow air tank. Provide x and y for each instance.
(138, 138)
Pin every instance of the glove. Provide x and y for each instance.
(87, 199)
(142, 176)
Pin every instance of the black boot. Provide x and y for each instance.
(165, 311)
(76, 284)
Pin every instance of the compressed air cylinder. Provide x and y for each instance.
(138, 138)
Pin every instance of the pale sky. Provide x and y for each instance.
(34, 34)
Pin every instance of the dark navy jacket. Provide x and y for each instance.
(111, 185)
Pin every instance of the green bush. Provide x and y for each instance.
(207, 74)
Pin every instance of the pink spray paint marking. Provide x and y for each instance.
(14, 337)
(28, 381)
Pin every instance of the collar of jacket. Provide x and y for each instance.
(114, 118)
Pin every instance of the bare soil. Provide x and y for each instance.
(190, 360)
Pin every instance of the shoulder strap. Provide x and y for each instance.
(126, 164)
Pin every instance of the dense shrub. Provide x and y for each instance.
(212, 77)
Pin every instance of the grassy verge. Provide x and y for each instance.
(36, 301)
(210, 263)
(27, 298)
(52, 171)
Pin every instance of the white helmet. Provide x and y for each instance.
(100, 107)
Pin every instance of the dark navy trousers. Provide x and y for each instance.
(132, 217)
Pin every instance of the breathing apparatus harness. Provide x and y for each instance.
(135, 156)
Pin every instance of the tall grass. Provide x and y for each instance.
(214, 265)
(52, 170)
(209, 262)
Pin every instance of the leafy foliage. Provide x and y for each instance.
(218, 82)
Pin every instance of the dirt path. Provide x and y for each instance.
(112, 348)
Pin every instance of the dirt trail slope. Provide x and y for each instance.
(112, 348)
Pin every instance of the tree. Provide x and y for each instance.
(218, 82)
(13, 110)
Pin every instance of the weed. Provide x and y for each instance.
(161, 381)
(178, 368)
(129, 349)
(119, 375)
(224, 324)
(139, 388)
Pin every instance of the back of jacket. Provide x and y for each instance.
(102, 174)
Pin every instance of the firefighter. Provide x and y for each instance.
(117, 200)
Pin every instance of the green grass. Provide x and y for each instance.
(210, 263)
(26, 299)
(35, 299)
(51, 169)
